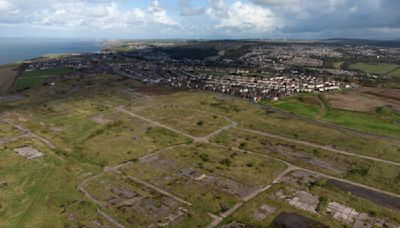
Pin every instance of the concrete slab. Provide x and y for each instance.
(29, 153)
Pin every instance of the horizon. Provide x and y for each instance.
(395, 39)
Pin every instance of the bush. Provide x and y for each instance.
(323, 203)
(227, 162)
(360, 169)
(242, 145)
(204, 157)
(250, 164)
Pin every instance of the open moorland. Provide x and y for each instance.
(106, 151)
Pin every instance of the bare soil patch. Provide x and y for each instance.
(393, 94)
(365, 99)
(293, 220)
(8, 75)
(309, 100)
(100, 120)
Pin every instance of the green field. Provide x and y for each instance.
(36, 77)
(395, 73)
(298, 106)
(338, 65)
(40, 193)
(375, 68)
(381, 122)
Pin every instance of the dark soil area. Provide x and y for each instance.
(373, 196)
(293, 220)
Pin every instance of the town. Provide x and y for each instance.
(261, 72)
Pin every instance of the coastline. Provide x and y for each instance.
(17, 51)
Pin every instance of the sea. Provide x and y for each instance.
(14, 50)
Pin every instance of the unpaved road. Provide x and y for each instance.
(28, 132)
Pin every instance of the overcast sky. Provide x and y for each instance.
(205, 19)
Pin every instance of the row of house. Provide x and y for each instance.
(255, 88)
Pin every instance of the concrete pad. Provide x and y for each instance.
(29, 153)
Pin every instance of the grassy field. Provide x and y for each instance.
(254, 117)
(95, 133)
(189, 120)
(306, 106)
(33, 78)
(166, 171)
(375, 68)
(40, 193)
(89, 137)
(382, 121)
(395, 73)
(368, 172)
(338, 65)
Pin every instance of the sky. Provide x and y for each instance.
(201, 19)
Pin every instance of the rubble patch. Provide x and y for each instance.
(29, 153)
(100, 120)
(230, 186)
(301, 199)
(263, 212)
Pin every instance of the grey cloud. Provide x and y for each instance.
(339, 17)
(188, 10)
